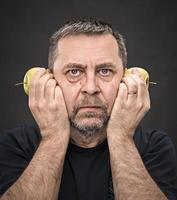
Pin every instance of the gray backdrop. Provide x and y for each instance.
(150, 29)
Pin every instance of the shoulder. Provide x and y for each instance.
(21, 138)
(21, 131)
(159, 156)
(148, 140)
(17, 147)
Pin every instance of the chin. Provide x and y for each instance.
(88, 125)
(85, 122)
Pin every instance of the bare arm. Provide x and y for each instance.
(41, 179)
(131, 180)
(130, 177)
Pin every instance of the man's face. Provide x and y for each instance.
(88, 70)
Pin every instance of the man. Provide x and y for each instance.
(88, 145)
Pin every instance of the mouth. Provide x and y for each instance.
(90, 108)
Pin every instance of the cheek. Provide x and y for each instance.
(70, 95)
(110, 97)
(70, 92)
(110, 93)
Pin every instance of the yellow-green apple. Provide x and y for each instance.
(27, 78)
(143, 73)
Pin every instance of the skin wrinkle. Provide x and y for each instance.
(127, 167)
(82, 60)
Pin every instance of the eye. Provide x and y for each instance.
(105, 72)
(74, 75)
(74, 72)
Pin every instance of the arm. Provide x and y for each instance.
(41, 179)
(130, 177)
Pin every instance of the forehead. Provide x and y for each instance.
(83, 48)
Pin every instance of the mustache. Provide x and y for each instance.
(90, 102)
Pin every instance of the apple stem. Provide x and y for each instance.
(21, 83)
(153, 83)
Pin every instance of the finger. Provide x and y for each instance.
(50, 90)
(122, 94)
(132, 89)
(32, 88)
(41, 84)
(142, 88)
(136, 71)
(58, 94)
(143, 99)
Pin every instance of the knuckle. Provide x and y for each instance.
(32, 105)
(48, 75)
(41, 82)
(52, 105)
(41, 105)
(141, 105)
(148, 106)
(142, 83)
(51, 83)
(132, 85)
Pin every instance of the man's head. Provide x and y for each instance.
(87, 27)
(87, 59)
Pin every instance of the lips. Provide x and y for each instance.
(90, 107)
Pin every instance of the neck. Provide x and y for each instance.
(87, 140)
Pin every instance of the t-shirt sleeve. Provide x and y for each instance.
(17, 147)
(161, 162)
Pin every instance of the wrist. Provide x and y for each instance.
(55, 140)
(53, 147)
(120, 137)
(53, 134)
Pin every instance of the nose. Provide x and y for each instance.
(90, 85)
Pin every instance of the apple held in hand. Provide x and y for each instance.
(143, 73)
(27, 78)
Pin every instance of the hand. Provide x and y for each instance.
(130, 106)
(47, 105)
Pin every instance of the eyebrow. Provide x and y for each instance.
(74, 65)
(78, 65)
(106, 65)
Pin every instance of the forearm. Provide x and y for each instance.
(130, 177)
(41, 179)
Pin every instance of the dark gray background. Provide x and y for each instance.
(150, 29)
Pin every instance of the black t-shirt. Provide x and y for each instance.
(87, 172)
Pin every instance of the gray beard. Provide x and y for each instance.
(91, 129)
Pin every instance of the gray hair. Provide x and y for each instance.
(88, 27)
